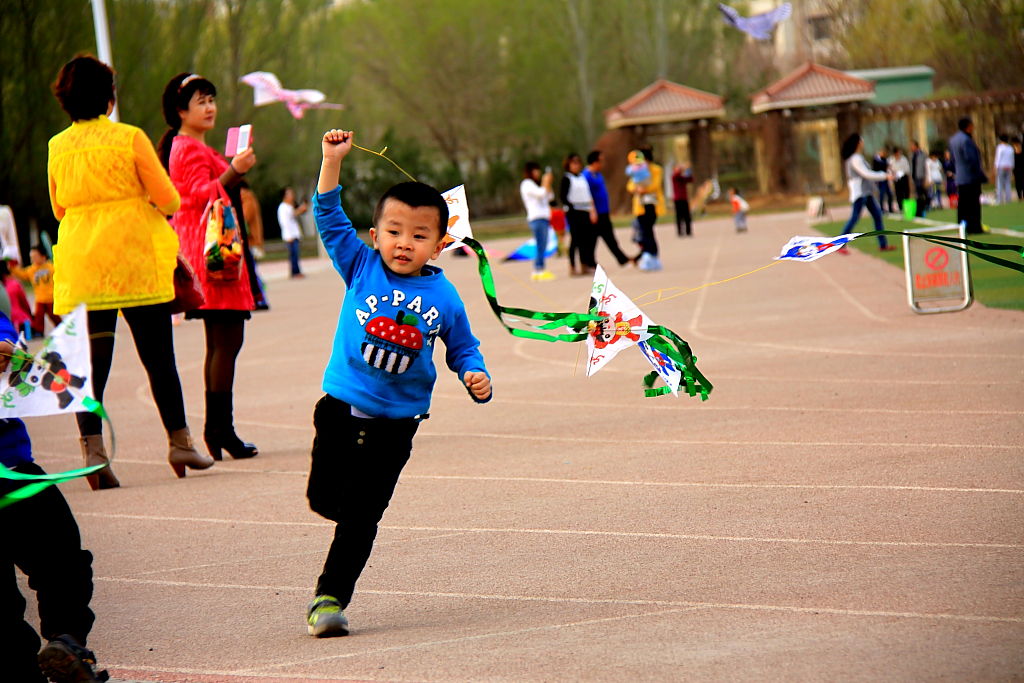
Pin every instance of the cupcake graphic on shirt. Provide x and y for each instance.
(392, 344)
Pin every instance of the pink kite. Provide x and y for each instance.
(267, 90)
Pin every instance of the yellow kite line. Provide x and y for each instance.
(660, 293)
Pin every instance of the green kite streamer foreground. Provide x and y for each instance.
(580, 325)
(39, 482)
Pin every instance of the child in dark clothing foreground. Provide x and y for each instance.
(381, 374)
(41, 538)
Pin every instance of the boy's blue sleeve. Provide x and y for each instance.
(345, 248)
(462, 350)
(7, 332)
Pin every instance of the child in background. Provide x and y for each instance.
(381, 373)
(41, 538)
(558, 225)
(21, 315)
(638, 170)
(739, 209)
(40, 274)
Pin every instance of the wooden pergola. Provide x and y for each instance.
(661, 109)
(823, 101)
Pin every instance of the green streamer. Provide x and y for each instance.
(40, 482)
(972, 247)
(662, 338)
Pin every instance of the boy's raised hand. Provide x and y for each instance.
(337, 144)
(6, 351)
(479, 384)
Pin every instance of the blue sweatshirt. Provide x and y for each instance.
(382, 362)
(15, 447)
(597, 190)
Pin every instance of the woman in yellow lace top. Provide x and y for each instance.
(115, 250)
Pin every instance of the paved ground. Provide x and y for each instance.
(848, 505)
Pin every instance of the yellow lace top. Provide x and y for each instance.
(114, 248)
(653, 186)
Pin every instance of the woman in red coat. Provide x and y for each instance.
(196, 169)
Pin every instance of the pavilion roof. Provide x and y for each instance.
(811, 85)
(665, 102)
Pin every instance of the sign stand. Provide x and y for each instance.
(938, 277)
(817, 211)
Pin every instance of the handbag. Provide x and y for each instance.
(222, 249)
(188, 291)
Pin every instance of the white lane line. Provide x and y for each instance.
(702, 484)
(711, 442)
(703, 295)
(846, 295)
(744, 409)
(305, 553)
(465, 639)
(581, 532)
(520, 345)
(843, 351)
(831, 379)
(671, 484)
(705, 442)
(591, 601)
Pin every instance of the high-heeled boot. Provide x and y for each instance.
(219, 432)
(95, 453)
(183, 454)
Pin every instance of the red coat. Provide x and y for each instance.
(194, 169)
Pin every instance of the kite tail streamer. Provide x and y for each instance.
(676, 348)
(39, 482)
(663, 339)
(972, 247)
(573, 321)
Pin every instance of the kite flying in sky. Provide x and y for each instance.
(758, 26)
(267, 90)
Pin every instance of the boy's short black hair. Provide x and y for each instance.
(38, 247)
(84, 87)
(593, 156)
(416, 194)
(963, 123)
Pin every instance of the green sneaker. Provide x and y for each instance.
(325, 618)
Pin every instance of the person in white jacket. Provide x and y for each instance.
(1004, 169)
(861, 179)
(537, 195)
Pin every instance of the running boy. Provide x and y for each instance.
(41, 538)
(739, 209)
(381, 372)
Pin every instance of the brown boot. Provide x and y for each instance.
(94, 453)
(183, 454)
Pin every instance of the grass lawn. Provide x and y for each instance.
(993, 285)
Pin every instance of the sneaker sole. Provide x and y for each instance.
(327, 632)
(59, 664)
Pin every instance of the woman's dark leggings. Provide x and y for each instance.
(582, 238)
(648, 242)
(154, 342)
(223, 342)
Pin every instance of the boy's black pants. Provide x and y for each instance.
(355, 467)
(40, 537)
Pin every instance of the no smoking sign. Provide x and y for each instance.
(936, 258)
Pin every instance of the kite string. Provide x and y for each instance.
(388, 159)
(660, 292)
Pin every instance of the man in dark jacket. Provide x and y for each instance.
(919, 174)
(880, 162)
(969, 176)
